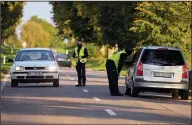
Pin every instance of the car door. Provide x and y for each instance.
(132, 68)
(134, 64)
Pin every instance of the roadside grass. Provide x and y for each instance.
(60, 50)
(5, 69)
(7, 53)
(98, 65)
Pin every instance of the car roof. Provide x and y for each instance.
(157, 47)
(35, 49)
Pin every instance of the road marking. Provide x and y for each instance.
(110, 112)
(71, 78)
(97, 99)
(85, 90)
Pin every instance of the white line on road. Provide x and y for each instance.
(97, 99)
(71, 78)
(85, 90)
(110, 112)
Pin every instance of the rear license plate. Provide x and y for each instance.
(34, 73)
(161, 74)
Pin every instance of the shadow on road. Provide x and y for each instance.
(87, 110)
(100, 90)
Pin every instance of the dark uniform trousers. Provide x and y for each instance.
(80, 67)
(112, 76)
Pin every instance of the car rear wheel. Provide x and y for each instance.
(184, 94)
(127, 90)
(134, 91)
(56, 83)
(14, 83)
(175, 94)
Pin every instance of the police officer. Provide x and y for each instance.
(113, 67)
(81, 54)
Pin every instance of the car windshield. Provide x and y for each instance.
(33, 55)
(63, 56)
(162, 57)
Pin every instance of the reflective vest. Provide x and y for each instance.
(81, 53)
(116, 58)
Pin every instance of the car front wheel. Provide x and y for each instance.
(127, 90)
(14, 83)
(56, 83)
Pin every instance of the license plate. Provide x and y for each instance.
(161, 74)
(34, 73)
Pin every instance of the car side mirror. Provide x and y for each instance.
(10, 60)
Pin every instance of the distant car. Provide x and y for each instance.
(34, 65)
(157, 69)
(64, 60)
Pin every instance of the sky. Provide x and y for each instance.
(40, 9)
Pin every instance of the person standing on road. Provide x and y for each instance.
(81, 54)
(113, 67)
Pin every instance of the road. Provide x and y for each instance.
(44, 104)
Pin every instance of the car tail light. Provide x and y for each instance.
(185, 72)
(140, 69)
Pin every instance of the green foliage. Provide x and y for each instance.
(34, 35)
(39, 33)
(164, 24)
(95, 22)
(11, 13)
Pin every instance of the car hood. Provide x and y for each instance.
(34, 63)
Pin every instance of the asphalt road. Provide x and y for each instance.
(44, 104)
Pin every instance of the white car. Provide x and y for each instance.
(34, 65)
(157, 69)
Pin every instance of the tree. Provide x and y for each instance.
(104, 23)
(34, 35)
(39, 33)
(49, 28)
(11, 13)
(164, 24)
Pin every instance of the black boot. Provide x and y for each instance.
(79, 84)
(84, 83)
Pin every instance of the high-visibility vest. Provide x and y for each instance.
(116, 58)
(81, 53)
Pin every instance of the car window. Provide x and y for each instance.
(32, 55)
(162, 57)
(137, 55)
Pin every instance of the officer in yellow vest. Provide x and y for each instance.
(113, 67)
(81, 54)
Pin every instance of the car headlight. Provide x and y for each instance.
(51, 68)
(18, 68)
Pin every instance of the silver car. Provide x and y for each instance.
(34, 65)
(157, 69)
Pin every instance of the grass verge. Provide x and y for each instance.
(98, 65)
(5, 69)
